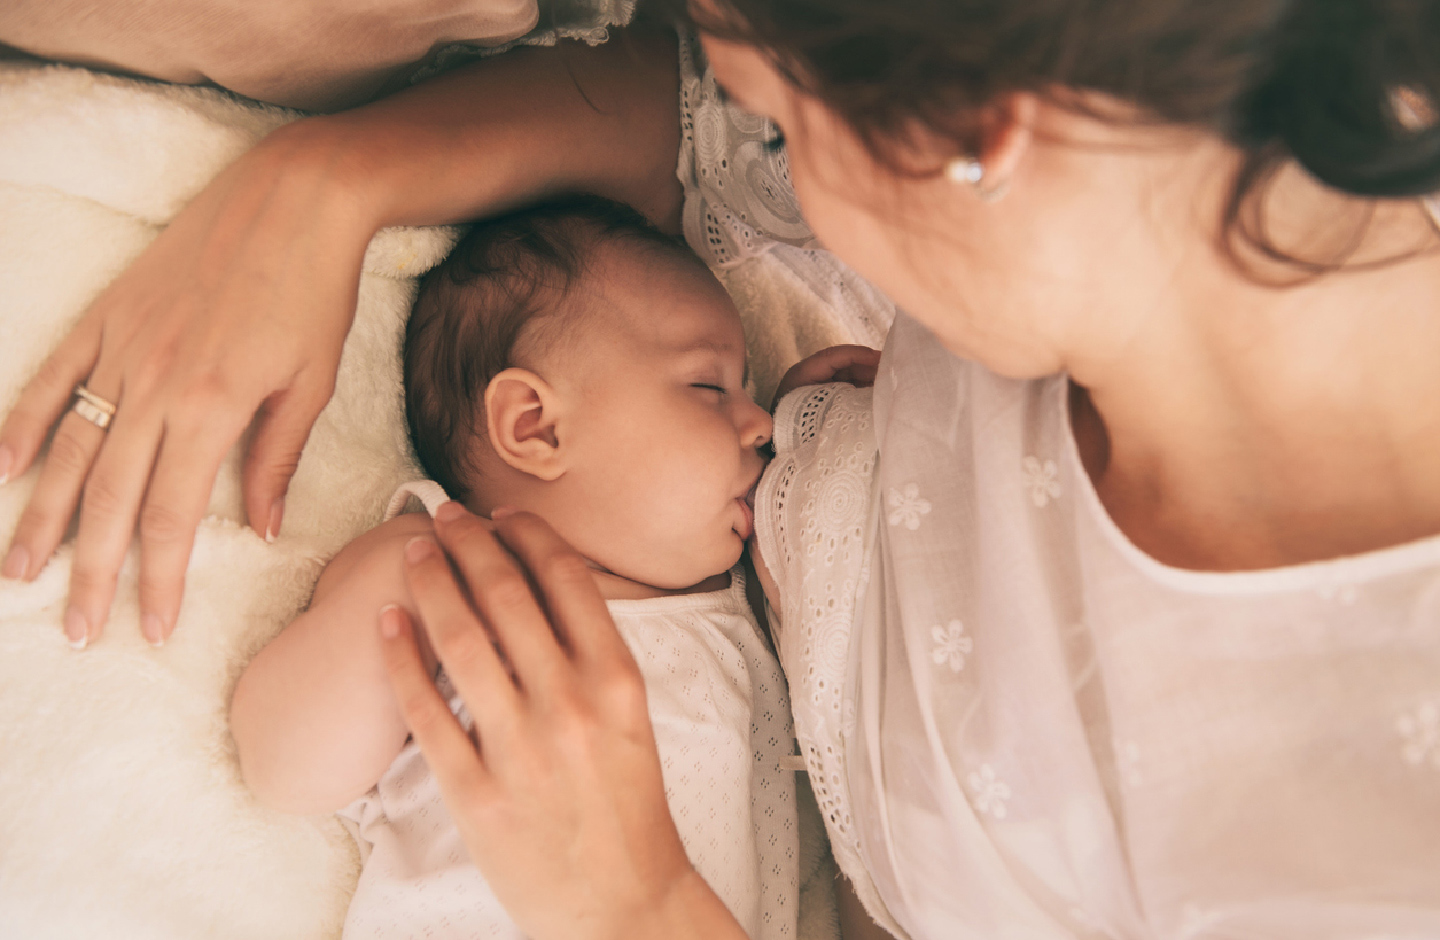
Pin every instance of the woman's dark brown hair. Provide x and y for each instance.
(1310, 79)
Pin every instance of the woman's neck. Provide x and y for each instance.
(1250, 427)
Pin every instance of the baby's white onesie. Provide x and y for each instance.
(718, 704)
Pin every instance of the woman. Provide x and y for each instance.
(1140, 629)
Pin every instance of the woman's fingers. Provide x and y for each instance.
(504, 599)
(281, 431)
(53, 501)
(45, 398)
(447, 747)
(175, 502)
(461, 643)
(42, 403)
(567, 585)
(114, 484)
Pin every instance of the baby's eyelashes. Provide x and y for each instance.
(711, 386)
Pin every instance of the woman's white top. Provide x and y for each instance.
(718, 705)
(1017, 724)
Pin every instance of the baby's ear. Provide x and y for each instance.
(522, 418)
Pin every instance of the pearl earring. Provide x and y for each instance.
(971, 170)
(965, 170)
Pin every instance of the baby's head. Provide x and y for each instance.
(571, 360)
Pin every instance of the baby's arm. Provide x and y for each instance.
(313, 716)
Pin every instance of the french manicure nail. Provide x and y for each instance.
(16, 563)
(77, 631)
(153, 630)
(7, 463)
(500, 512)
(418, 549)
(449, 511)
(277, 515)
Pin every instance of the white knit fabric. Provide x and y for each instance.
(1019, 725)
(721, 716)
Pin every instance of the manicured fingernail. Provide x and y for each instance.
(449, 511)
(153, 629)
(277, 515)
(500, 512)
(418, 549)
(389, 621)
(77, 631)
(7, 463)
(16, 563)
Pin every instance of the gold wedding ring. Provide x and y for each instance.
(92, 407)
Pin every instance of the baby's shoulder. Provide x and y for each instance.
(375, 561)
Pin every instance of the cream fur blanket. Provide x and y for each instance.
(122, 814)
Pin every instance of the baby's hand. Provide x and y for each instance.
(853, 364)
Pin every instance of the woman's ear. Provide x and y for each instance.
(522, 417)
(1007, 128)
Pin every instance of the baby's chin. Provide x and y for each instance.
(635, 581)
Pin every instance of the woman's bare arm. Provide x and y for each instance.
(241, 306)
(601, 119)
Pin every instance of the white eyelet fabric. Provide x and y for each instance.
(812, 511)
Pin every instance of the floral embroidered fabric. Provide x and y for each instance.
(1019, 725)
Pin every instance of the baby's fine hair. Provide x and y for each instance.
(505, 283)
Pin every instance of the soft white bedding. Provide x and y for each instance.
(122, 813)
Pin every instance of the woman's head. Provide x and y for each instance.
(876, 97)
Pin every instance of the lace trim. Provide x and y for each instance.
(815, 501)
(738, 197)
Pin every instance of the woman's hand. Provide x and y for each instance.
(239, 307)
(559, 797)
(854, 364)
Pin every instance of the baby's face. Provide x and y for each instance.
(664, 439)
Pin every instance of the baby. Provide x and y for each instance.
(572, 361)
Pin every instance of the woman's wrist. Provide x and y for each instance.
(691, 909)
(315, 167)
